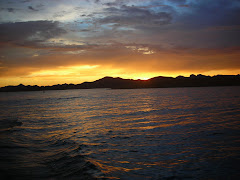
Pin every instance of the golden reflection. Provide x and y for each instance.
(124, 162)
(108, 169)
(164, 125)
(166, 163)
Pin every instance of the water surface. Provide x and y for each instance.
(170, 133)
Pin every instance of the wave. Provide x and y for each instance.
(23, 158)
(8, 124)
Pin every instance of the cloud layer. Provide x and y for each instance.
(29, 33)
(120, 36)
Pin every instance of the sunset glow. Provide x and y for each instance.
(52, 42)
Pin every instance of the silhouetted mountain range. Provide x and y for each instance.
(156, 82)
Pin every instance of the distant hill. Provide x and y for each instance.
(156, 82)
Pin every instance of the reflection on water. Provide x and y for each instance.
(176, 133)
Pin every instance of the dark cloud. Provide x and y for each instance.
(216, 13)
(132, 16)
(178, 1)
(26, 1)
(224, 28)
(186, 6)
(10, 9)
(152, 6)
(200, 25)
(31, 8)
(31, 32)
(116, 3)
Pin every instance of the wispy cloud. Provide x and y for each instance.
(31, 8)
(134, 17)
(29, 33)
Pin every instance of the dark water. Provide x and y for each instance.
(172, 133)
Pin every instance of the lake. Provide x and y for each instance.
(168, 133)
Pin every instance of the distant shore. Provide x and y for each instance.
(119, 83)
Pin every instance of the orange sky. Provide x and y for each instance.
(42, 44)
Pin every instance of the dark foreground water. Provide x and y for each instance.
(172, 133)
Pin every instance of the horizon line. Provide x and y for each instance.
(127, 79)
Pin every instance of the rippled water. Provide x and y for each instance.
(172, 133)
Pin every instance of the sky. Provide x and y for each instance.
(46, 42)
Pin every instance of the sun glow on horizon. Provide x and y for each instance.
(63, 71)
(89, 73)
(144, 78)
